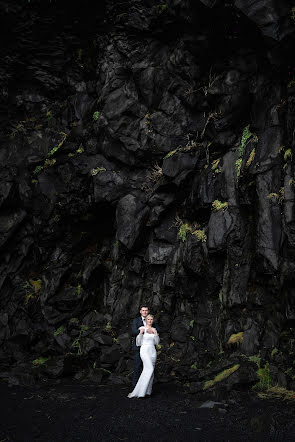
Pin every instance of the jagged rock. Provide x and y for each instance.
(113, 156)
(110, 355)
(130, 215)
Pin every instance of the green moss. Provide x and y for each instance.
(274, 352)
(191, 324)
(194, 365)
(221, 376)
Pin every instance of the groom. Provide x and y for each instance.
(136, 324)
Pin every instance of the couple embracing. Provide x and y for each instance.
(145, 332)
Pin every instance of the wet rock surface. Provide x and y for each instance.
(148, 157)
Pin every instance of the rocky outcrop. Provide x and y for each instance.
(148, 157)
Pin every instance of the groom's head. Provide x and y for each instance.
(144, 311)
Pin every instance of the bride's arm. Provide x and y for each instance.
(157, 339)
(138, 340)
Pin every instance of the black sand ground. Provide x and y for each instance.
(74, 412)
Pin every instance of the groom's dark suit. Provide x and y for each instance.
(136, 324)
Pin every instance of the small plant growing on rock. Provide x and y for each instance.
(80, 149)
(79, 289)
(77, 344)
(96, 115)
(277, 392)
(169, 154)
(200, 234)
(37, 170)
(215, 164)
(162, 8)
(56, 148)
(277, 196)
(218, 205)
(156, 173)
(246, 136)
(194, 365)
(288, 154)
(264, 382)
(49, 163)
(59, 331)
(184, 228)
(251, 158)
(98, 169)
(108, 327)
(40, 361)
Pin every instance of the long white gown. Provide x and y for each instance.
(148, 355)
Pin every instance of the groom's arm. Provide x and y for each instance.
(134, 328)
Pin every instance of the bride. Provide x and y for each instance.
(146, 340)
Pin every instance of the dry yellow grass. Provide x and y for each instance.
(277, 392)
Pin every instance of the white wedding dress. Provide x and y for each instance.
(148, 354)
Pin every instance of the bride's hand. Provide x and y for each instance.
(154, 331)
(141, 330)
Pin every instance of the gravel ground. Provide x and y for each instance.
(74, 412)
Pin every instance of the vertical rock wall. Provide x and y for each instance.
(148, 157)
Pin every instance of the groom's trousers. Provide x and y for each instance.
(137, 367)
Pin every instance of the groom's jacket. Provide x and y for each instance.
(136, 324)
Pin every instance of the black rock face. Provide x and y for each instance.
(147, 157)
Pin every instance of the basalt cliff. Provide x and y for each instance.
(147, 156)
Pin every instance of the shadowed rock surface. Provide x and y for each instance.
(148, 157)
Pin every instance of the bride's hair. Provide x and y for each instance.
(149, 316)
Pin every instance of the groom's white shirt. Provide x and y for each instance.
(143, 320)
